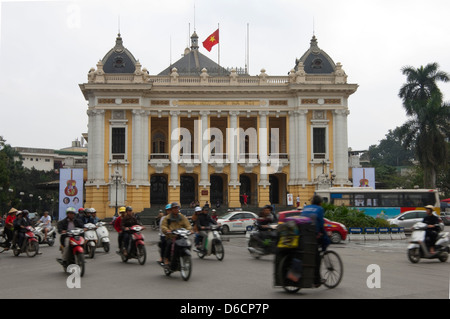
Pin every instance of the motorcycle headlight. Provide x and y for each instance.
(188, 242)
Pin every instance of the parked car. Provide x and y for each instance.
(236, 221)
(445, 216)
(410, 217)
(337, 231)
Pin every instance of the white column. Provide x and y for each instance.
(139, 151)
(292, 149)
(204, 178)
(174, 149)
(302, 152)
(96, 142)
(262, 136)
(233, 148)
(340, 146)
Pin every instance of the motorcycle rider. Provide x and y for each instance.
(162, 236)
(19, 228)
(174, 220)
(316, 213)
(203, 222)
(432, 229)
(118, 226)
(128, 220)
(87, 218)
(94, 217)
(9, 226)
(68, 223)
(46, 220)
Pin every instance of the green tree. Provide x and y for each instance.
(428, 127)
(421, 83)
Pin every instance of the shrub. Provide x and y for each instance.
(352, 217)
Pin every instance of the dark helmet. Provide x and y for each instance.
(175, 204)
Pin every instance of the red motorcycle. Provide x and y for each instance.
(30, 244)
(76, 243)
(136, 247)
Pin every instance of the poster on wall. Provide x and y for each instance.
(364, 177)
(290, 199)
(70, 190)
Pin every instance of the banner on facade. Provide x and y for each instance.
(363, 177)
(70, 190)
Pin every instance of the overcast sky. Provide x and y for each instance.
(47, 49)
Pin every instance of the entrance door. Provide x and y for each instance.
(158, 190)
(274, 191)
(187, 189)
(216, 189)
(245, 189)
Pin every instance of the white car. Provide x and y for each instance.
(236, 221)
(409, 218)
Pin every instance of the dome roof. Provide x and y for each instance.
(119, 59)
(315, 60)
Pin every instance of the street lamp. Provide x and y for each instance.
(116, 177)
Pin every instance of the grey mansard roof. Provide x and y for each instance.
(315, 60)
(193, 62)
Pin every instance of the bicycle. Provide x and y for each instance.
(331, 272)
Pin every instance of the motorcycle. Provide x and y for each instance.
(103, 236)
(76, 244)
(261, 242)
(30, 243)
(212, 243)
(51, 234)
(180, 254)
(136, 248)
(4, 244)
(91, 239)
(418, 247)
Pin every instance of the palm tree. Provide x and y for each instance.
(427, 131)
(421, 83)
(429, 126)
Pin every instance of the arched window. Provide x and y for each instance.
(158, 143)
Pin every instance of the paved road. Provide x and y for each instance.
(238, 276)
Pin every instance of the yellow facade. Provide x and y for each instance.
(298, 122)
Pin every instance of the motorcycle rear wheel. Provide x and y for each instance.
(32, 248)
(443, 257)
(141, 254)
(185, 267)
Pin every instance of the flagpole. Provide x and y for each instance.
(218, 51)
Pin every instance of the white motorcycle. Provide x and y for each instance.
(91, 239)
(418, 245)
(51, 234)
(103, 236)
(212, 243)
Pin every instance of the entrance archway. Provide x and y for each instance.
(247, 187)
(274, 191)
(216, 190)
(187, 189)
(158, 190)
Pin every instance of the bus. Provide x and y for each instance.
(381, 203)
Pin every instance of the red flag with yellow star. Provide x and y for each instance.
(212, 40)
